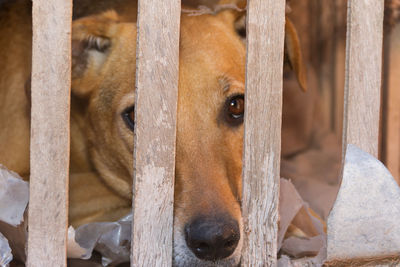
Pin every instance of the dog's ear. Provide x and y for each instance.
(293, 55)
(91, 42)
(234, 12)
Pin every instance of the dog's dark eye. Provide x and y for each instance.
(242, 32)
(235, 109)
(129, 117)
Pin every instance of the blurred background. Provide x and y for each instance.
(321, 25)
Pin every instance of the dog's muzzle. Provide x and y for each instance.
(212, 238)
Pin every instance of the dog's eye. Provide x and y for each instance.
(129, 117)
(235, 109)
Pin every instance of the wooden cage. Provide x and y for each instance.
(51, 81)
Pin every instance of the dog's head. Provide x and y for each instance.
(207, 222)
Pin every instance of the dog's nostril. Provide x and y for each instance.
(202, 248)
(230, 243)
(212, 239)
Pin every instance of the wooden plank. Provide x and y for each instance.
(156, 105)
(363, 74)
(51, 82)
(262, 140)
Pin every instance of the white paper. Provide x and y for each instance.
(14, 196)
(5, 252)
(112, 239)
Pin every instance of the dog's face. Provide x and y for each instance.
(207, 223)
(207, 215)
(209, 142)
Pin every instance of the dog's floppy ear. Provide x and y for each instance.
(293, 55)
(233, 10)
(91, 41)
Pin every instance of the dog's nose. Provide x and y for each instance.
(212, 238)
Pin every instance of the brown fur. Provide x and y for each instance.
(15, 27)
(209, 149)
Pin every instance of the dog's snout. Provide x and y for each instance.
(212, 238)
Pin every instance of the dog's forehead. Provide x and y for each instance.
(210, 50)
(209, 32)
(210, 42)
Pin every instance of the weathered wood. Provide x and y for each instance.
(261, 160)
(367, 188)
(156, 105)
(51, 81)
(363, 74)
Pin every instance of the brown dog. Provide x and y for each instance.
(207, 222)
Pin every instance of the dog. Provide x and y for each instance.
(207, 214)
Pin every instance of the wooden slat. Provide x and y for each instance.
(363, 74)
(156, 105)
(261, 160)
(51, 81)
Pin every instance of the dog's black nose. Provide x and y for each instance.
(212, 238)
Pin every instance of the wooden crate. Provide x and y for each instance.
(265, 41)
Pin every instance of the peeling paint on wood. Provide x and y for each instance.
(51, 82)
(155, 132)
(261, 160)
(363, 74)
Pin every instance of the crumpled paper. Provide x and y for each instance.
(315, 173)
(14, 197)
(5, 252)
(300, 232)
(75, 251)
(111, 239)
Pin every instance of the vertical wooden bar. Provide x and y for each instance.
(51, 82)
(363, 74)
(156, 106)
(261, 160)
